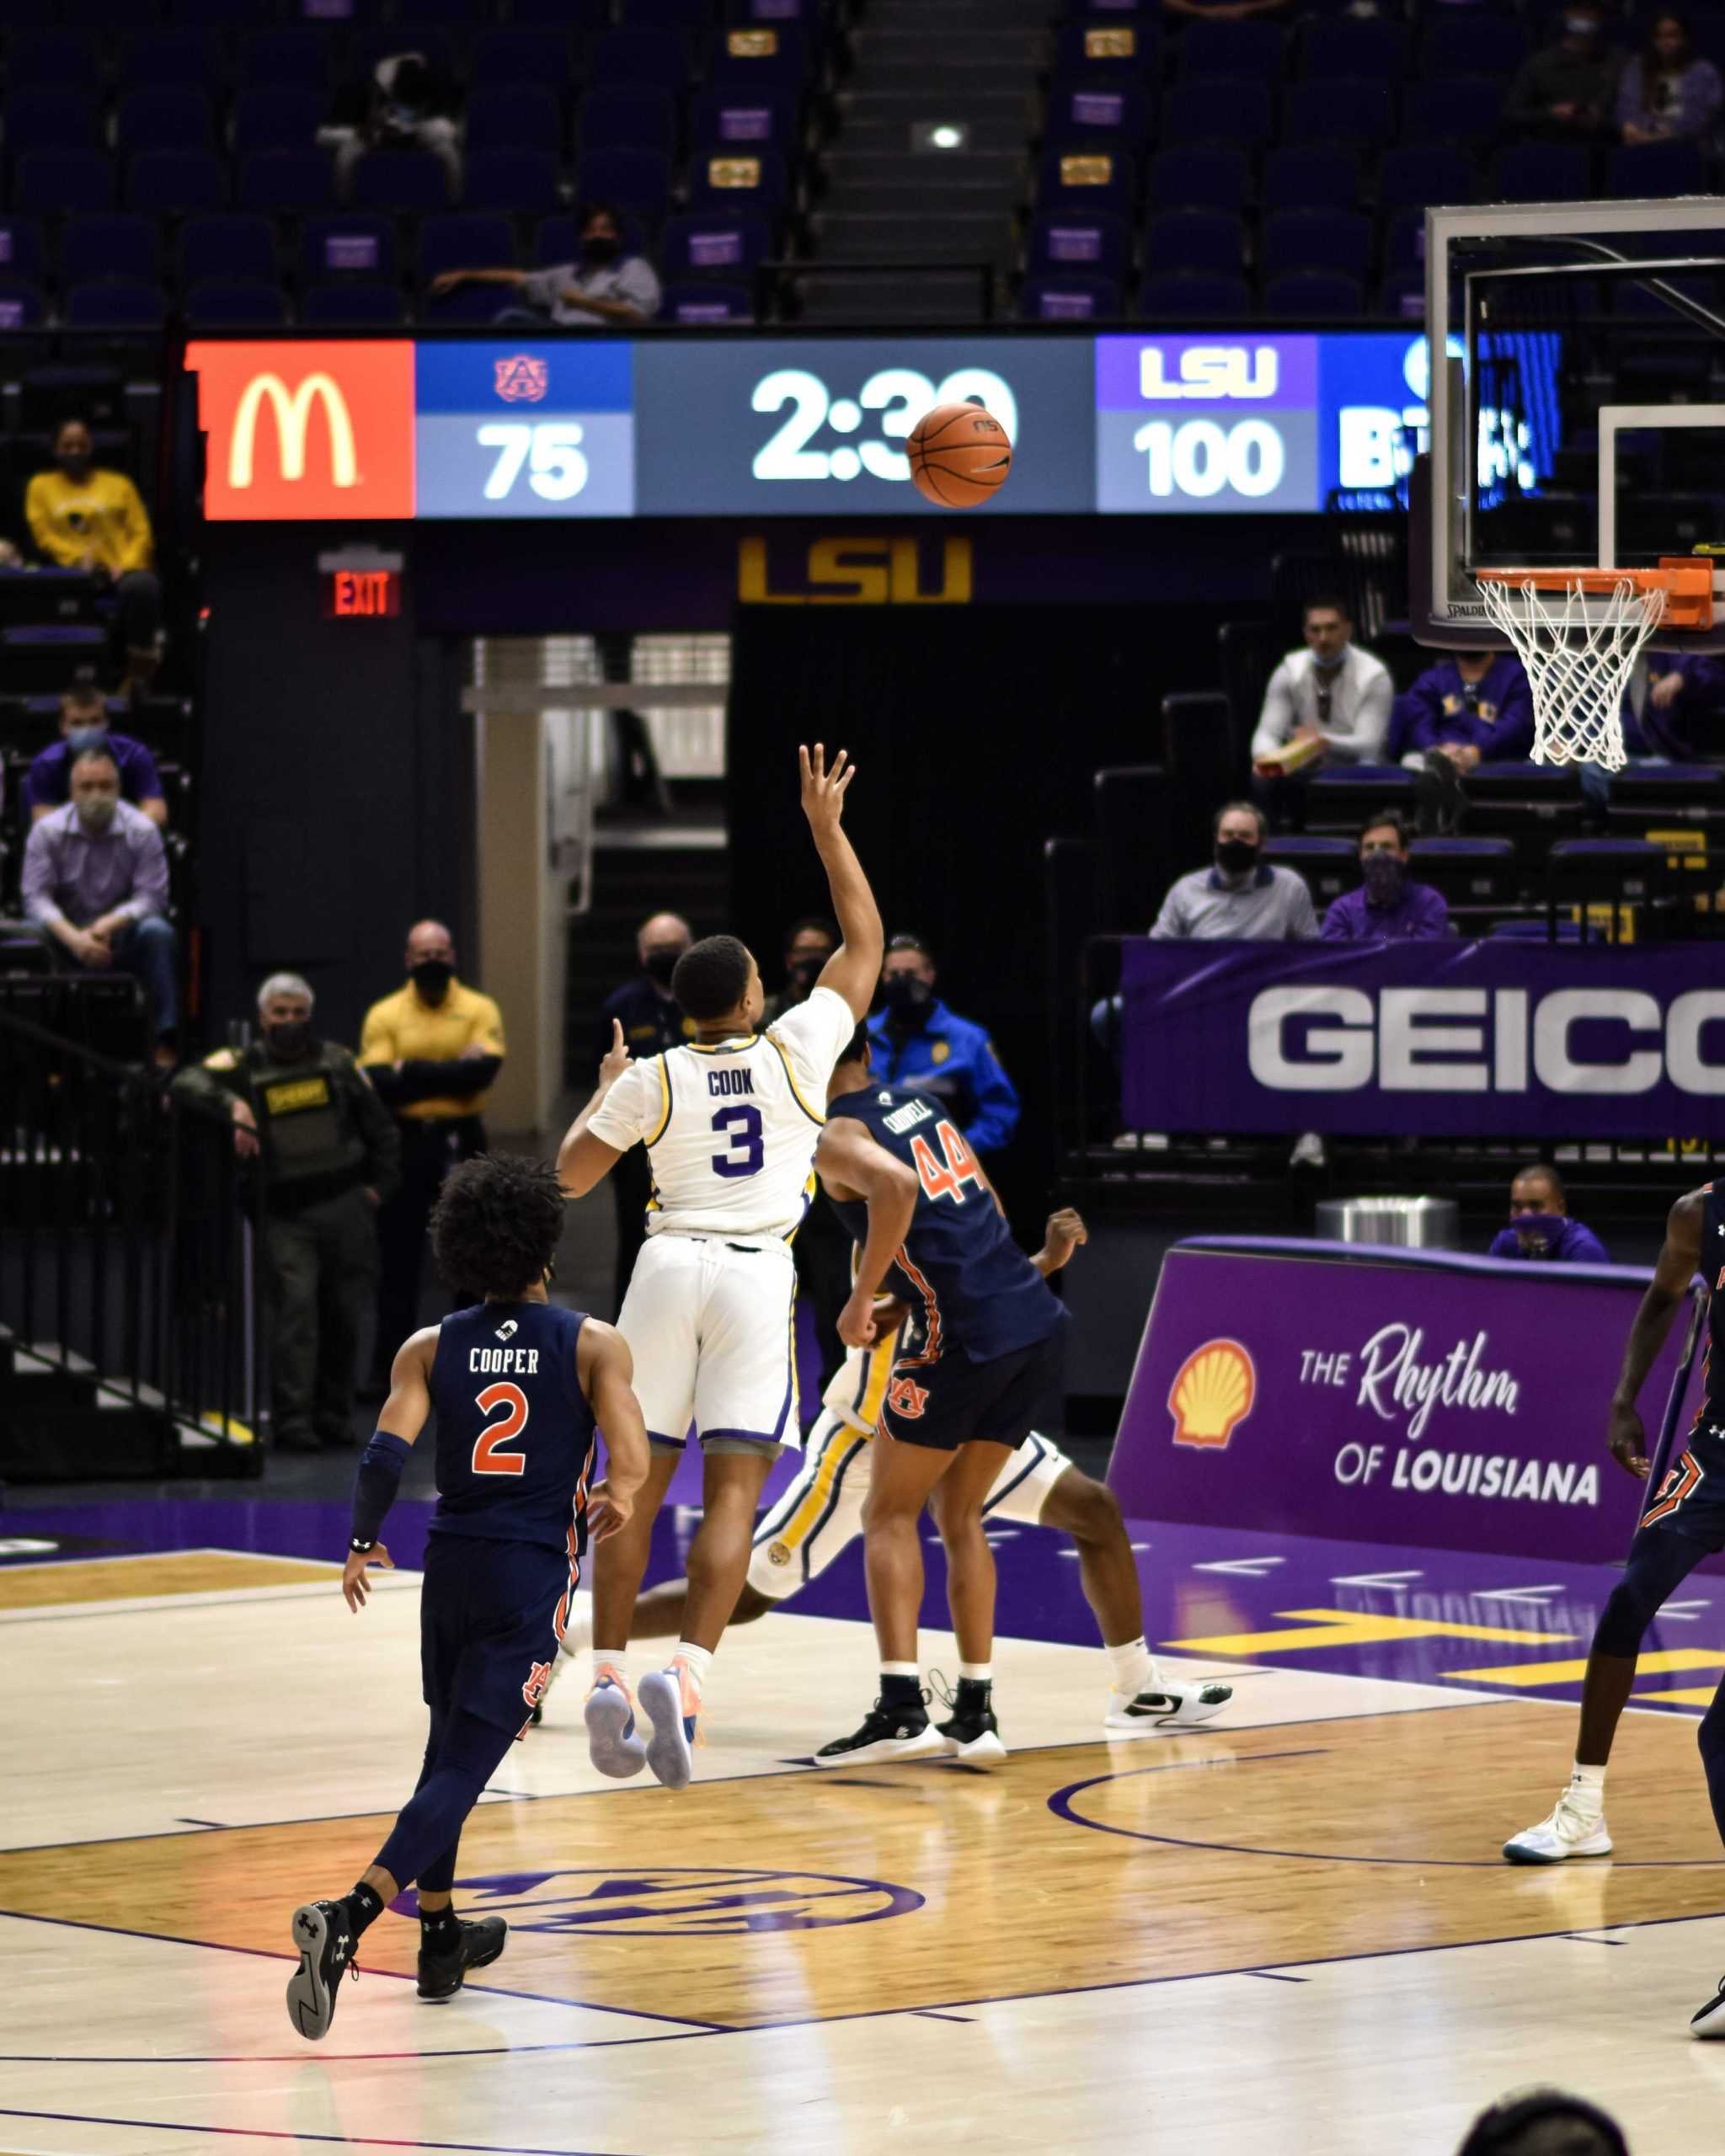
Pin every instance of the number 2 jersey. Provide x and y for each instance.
(730, 1127)
(972, 1291)
(514, 1433)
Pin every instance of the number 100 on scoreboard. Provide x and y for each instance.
(1227, 422)
(525, 429)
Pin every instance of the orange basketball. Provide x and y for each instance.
(959, 455)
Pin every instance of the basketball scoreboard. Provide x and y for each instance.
(1217, 423)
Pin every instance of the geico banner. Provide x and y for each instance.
(1494, 1039)
(1442, 1401)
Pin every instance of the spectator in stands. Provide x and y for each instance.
(1241, 896)
(808, 944)
(653, 1020)
(1329, 702)
(1565, 90)
(83, 516)
(1672, 705)
(83, 720)
(331, 1157)
(409, 105)
(1386, 905)
(433, 1050)
(95, 887)
(921, 1045)
(1540, 1225)
(1668, 93)
(1473, 708)
(606, 285)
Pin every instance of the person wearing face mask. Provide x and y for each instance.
(1387, 906)
(1540, 1226)
(83, 516)
(1668, 93)
(608, 286)
(1565, 92)
(95, 890)
(652, 1021)
(329, 1156)
(921, 1045)
(1326, 704)
(433, 1050)
(84, 722)
(810, 942)
(1241, 896)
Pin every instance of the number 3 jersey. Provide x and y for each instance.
(730, 1127)
(972, 1291)
(515, 1433)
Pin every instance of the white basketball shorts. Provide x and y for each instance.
(710, 1324)
(821, 1509)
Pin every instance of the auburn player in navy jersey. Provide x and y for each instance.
(984, 1364)
(517, 1386)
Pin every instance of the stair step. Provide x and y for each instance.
(939, 82)
(886, 133)
(853, 301)
(1022, 45)
(954, 240)
(956, 176)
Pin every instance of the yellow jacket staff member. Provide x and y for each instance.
(433, 1051)
(84, 517)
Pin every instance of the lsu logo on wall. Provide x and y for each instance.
(306, 431)
(1212, 1394)
(521, 379)
(859, 572)
(684, 1901)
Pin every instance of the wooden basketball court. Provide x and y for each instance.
(1289, 1930)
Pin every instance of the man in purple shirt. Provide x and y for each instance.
(83, 717)
(1386, 907)
(1540, 1225)
(1473, 708)
(95, 889)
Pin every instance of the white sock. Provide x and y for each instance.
(976, 1673)
(699, 1661)
(1587, 1784)
(612, 1659)
(1133, 1666)
(900, 1669)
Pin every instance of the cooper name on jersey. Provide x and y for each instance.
(524, 1361)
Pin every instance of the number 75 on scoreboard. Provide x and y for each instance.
(523, 429)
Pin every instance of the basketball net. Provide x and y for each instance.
(1579, 648)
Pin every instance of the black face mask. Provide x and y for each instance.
(601, 253)
(431, 977)
(1234, 857)
(801, 975)
(907, 999)
(75, 468)
(288, 1042)
(659, 961)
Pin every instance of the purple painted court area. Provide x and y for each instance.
(1368, 1609)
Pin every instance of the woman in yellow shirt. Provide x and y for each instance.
(84, 517)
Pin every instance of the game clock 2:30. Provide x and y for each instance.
(888, 405)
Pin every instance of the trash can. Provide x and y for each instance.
(1408, 1223)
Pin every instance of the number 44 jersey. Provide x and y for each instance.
(515, 1433)
(972, 1291)
(731, 1126)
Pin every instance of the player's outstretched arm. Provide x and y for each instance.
(584, 1159)
(607, 1370)
(852, 1166)
(1625, 1436)
(381, 1464)
(1065, 1231)
(853, 970)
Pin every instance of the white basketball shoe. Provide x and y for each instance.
(1161, 1703)
(1569, 1829)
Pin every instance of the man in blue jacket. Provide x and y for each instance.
(1540, 1225)
(922, 1046)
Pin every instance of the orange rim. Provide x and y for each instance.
(1686, 582)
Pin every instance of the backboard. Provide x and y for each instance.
(1576, 353)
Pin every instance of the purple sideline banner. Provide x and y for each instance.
(1490, 1039)
(1442, 1401)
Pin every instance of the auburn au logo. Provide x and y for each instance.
(307, 431)
(905, 1398)
(1212, 1393)
(521, 380)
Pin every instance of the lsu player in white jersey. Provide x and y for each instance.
(731, 1121)
(819, 1514)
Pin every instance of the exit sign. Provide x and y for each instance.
(361, 584)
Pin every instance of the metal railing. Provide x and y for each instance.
(129, 1288)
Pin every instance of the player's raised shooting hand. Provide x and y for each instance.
(617, 1059)
(353, 1583)
(1627, 1441)
(823, 790)
(608, 1511)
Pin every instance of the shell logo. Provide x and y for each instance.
(1212, 1393)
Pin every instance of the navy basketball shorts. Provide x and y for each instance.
(1690, 1499)
(949, 1403)
(491, 1615)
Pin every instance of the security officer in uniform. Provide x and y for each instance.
(433, 1050)
(330, 1156)
(923, 1047)
(648, 1014)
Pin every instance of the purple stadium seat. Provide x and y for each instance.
(684, 15)
(21, 305)
(182, 58)
(1305, 294)
(515, 116)
(1123, 45)
(757, 56)
(51, 119)
(176, 183)
(628, 117)
(521, 182)
(1217, 110)
(1372, 49)
(1253, 51)
(124, 247)
(1086, 181)
(693, 247)
(1317, 239)
(400, 179)
(287, 118)
(1652, 169)
(115, 307)
(1419, 175)
(585, 16)
(352, 246)
(1311, 176)
(641, 55)
(1096, 246)
(74, 181)
(230, 249)
(1199, 176)
(1107, 113)
(220, 303)
(1469, 41)
(1542, 172)
(353, 307)
(732, 116)
(1461, 109)
(1194, 242)
(1069, 298)
(163, 120)
(298, 57)
(1188, 296)
(465, 241)
(1337, 110)
(521, 53)
(287, 183)
(752, 180)
(52, 59)
(694, 305)
(21, 254)
(638, 179)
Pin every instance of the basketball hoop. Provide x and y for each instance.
(1578, 633)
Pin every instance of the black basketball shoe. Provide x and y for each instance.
(323, 1936)
(973, 1735)
(479, 1944)
(898, 1732)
